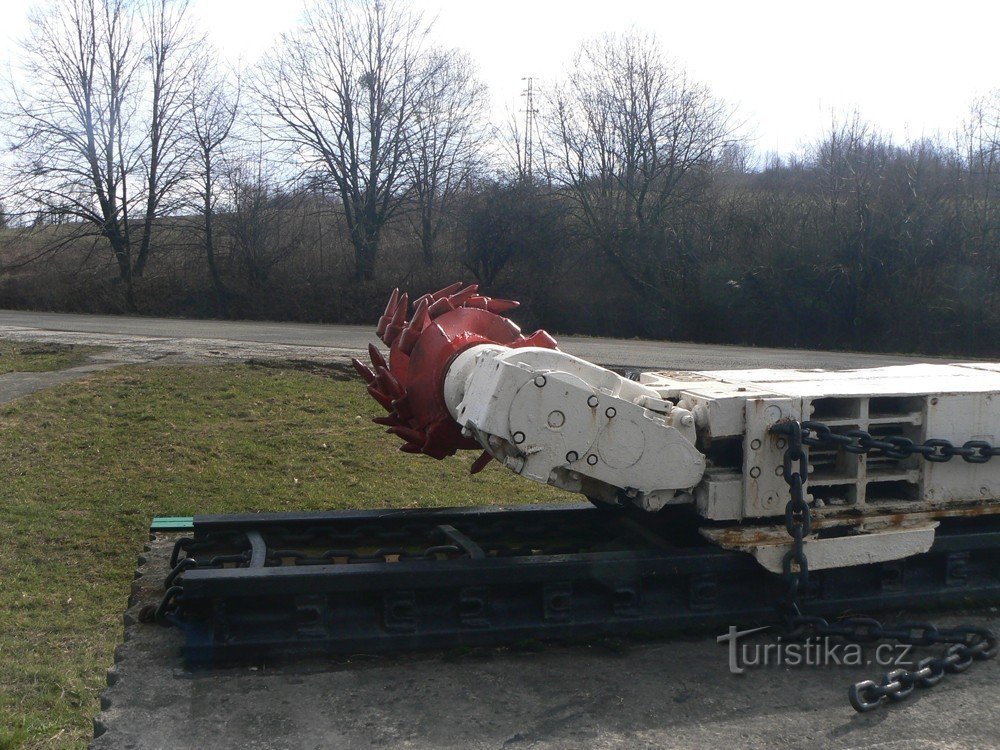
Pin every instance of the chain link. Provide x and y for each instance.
(798, 519)
(936, 450)
(968, 643)
(897, 684)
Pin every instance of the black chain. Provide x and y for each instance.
(968, 643)
(897, 684)
(798, 521)
(935, 450)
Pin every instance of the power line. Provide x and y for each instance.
(529, 124)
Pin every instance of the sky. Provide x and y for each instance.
(911, 68)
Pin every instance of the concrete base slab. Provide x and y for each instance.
(656, 694)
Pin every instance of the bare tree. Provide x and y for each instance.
(511, 139)
(214, 104)
(342, 92)
(445, 144)
(172, 47)
(507, 223)
(979, 147)
(87, 145)
(263, 222)
(978, 182)
(632, 139)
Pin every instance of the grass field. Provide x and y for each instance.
(33, 357)
(88, 464)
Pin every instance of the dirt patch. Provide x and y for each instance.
(342, 371)
(34, 350)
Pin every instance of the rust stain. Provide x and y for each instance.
(740, 537)
(734, 537)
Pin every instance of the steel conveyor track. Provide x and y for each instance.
(250, 587)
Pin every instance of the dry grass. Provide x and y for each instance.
(21, 357)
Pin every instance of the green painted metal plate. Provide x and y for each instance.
(172, 523)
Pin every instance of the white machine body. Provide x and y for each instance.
(703, 438)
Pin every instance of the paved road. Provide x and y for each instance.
(261, 338)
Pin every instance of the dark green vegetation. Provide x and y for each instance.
(35, 357)
(903, 256)
(89, 464)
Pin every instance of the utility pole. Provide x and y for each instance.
(529, 124)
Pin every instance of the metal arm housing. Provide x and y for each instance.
(561, 420)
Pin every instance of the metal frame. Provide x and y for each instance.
(665, 579)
